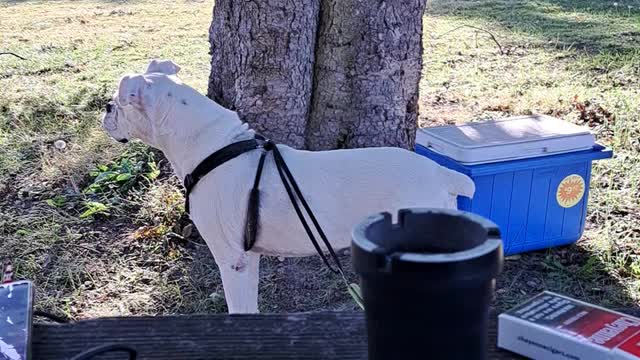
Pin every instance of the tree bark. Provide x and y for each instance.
(320, 74)
(262, 63)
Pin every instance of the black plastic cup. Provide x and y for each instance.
(427, 283)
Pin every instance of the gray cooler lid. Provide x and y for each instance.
(506, 139)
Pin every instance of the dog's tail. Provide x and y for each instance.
(459, 183)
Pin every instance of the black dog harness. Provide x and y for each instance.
(252, 221)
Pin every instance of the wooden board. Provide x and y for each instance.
(327, 335)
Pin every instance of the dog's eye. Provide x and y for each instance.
(109, 107)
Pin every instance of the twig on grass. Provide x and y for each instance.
(90, 249)
(182, 238)
(32, 251)
(513, 282)
(14, 54)
(493, 37)
(74, 185)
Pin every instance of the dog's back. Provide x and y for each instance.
(389, 165)
(345, 186)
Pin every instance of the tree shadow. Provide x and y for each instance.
(594, 28)
(591, 26)
(573, 271)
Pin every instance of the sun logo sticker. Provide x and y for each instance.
(570, 191)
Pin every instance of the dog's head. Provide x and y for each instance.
(137, 111)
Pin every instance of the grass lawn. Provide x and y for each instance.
(100, 227)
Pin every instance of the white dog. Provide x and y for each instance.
(342, 187)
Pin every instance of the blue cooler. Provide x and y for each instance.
(532, 175)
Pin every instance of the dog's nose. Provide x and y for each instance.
(124, 141)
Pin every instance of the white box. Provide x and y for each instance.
(551, 326)
(512, 138)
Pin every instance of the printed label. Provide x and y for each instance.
(570, 191)
(632, 346)
(577, 319)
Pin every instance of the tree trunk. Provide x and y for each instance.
(320, 74)
(262, 63)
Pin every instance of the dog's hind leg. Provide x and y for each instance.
(240, 282)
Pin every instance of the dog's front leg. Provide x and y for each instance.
(240, 282)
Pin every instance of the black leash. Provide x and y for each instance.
(295, 195)
(252, 221)
(98, 350)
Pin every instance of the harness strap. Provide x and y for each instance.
(252, 220)
(213, 161)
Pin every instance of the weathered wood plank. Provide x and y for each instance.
(329, 335)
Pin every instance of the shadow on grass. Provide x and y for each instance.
(292, 285)
(573, 271)
(591, 26)
(609, 36)
(305, 284)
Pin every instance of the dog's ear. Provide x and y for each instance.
(130, 90)
(163, 66)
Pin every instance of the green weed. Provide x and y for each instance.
(94, 208)
(134, 167)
